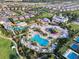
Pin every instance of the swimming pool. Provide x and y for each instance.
(17, 28)
(39, 40)
(73, 55)
(77, 39)
(75, 46)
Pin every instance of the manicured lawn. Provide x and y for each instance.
(75, 11)
(4, 48)
(52, 57)
(74, 26)
(45, 15)
(42, 15)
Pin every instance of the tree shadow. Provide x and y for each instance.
(12, 56)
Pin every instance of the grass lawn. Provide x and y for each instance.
(74, 26)
(45, 15)
(75, 11)
(4, 48)
(52, 57)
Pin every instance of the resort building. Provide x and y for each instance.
(60, 18)
(40, 36)
(46, 20)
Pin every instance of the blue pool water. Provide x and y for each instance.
(77, 39)
(72, 55)
(18, 28)
(75, 46)
(39, 40)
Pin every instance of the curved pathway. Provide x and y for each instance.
(14, 43)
